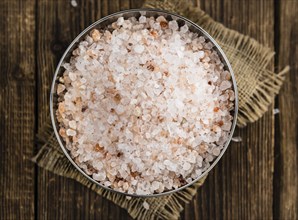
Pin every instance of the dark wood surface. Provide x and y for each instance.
(256, 179)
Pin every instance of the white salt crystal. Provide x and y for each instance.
(142, 19)
(237, 139)
(72, 124)
(201, 54)
(137, 111)
(139, 48)
(276, 111)
(186, 166)
(120, 109)
(71, 132)
(111, 119)
(173, 25)
(99, 176)
(73, 3)
(184, 29)
(120, 21)
(72, 76)
(179, 104)
(146, 205)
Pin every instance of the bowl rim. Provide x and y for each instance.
(78, 39)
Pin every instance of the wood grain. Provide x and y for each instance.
(286, 161)
(241, 185)
(17, 97)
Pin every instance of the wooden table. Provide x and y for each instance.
(256, 179)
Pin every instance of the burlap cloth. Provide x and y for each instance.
(257, 87)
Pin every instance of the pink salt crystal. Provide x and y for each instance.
(95, 34)
(226, 126)
(60, 88)
(160, 18)
(225, 85)
(216, 151)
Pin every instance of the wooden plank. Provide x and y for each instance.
(286, 163)
(58, 24)
(17, 98)
(124, 4)
(136, 3)
(240, 186)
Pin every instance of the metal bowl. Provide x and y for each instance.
(102, 23)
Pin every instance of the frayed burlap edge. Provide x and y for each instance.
(51, 158)
(257, 85)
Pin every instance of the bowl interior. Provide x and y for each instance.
(102, 24)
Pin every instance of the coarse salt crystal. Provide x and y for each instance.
(225, 85)
(142, 19)
(201, 54)
(71, 132)
(184, 29)
(72, 76)
(120, 21)
(72, 124)
(173, 25)
(139, 48)
(99, 176)
(73, 3)
(146, 205)
(60, 88)
(186, 166)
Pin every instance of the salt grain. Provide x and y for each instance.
(186, 166)
(73, 124)
(73, 3)
(276, 111)
(201, 54)
(60, 88)
(139, 48)
(236, 139)
(142, 19)
(70, 132)
(146, 205)
(173, 25)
